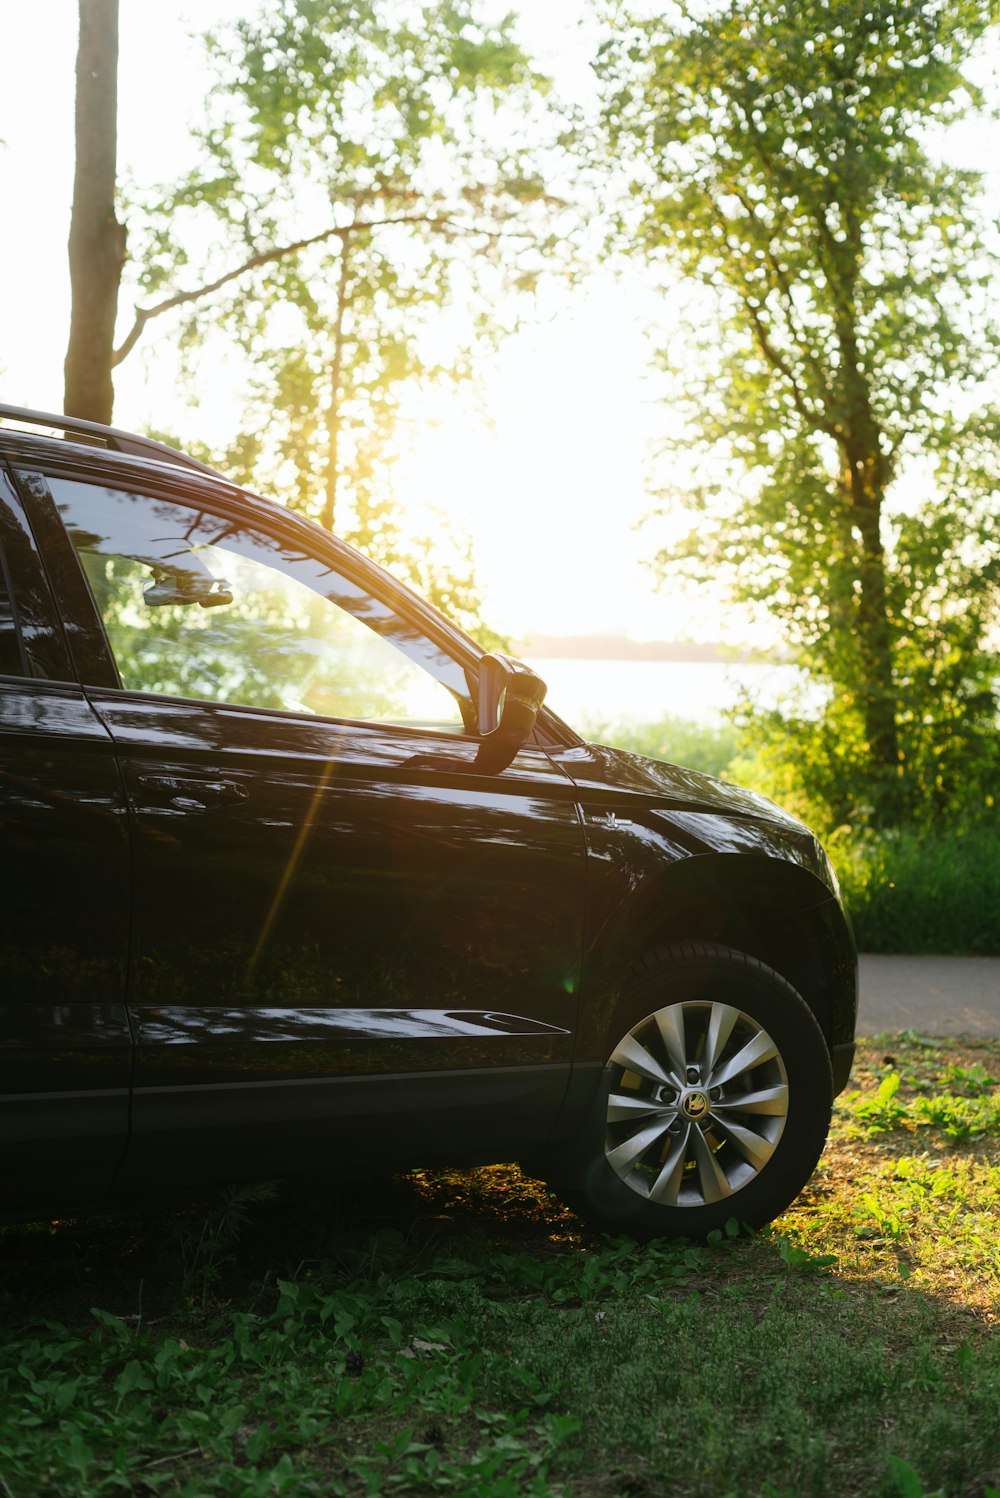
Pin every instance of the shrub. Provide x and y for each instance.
(922, 892)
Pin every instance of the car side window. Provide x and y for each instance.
(199, 605)
(11, 661)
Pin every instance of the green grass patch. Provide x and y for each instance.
(461, 1331)
(910, 1180)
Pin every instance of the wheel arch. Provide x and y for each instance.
(775, 911)
(627, 1140)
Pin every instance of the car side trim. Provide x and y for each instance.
(172, 1025)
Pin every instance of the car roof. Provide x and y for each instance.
(95, 434)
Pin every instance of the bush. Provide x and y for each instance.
(914, 892)
(821, 768)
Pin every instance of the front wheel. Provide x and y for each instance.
(717, 1099)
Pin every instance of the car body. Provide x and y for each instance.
(298, 880)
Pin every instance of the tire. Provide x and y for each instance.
(717, 1098)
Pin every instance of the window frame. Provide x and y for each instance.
(92, 650)
(7, 598)
(85, 640)
(46, 658)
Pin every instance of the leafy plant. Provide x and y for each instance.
(800, 1260)
(881, 1109)
(205, 1243)
(958, 1117)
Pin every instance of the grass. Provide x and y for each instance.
(462, 1332)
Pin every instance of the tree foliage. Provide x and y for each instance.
(362, 166)
(784, 154)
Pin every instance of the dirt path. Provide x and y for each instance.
(932, 995)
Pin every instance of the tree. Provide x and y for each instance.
(374, 127)
(781, 154)
(96, 238)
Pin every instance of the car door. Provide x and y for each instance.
(65, 1045)
(348, 943)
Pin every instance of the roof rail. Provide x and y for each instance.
(112, 437)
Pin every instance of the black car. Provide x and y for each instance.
(298, 880)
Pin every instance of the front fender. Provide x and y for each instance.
(762, 888)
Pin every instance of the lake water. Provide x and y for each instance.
(583, 691)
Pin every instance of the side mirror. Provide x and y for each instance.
(510, 697)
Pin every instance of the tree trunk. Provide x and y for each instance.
(333, 409)
(96, 238)
(868, 473)
(877, 687)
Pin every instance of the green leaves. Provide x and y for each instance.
(959, 1118)
(780, 161)
(801, 1261)
(133, 1376)
(362, 165)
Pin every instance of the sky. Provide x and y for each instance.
(547, 471)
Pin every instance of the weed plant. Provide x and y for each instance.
(461, 1332)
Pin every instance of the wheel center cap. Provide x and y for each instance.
(695, 1105)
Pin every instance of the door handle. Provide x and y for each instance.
(190, 794)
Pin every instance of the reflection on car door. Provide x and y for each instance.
(65, 1046)
(345, 938)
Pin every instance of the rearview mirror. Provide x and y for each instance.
(184, 585)
(510, 697)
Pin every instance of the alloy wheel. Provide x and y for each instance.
(698, 1103)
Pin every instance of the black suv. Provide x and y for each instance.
(297, 879)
